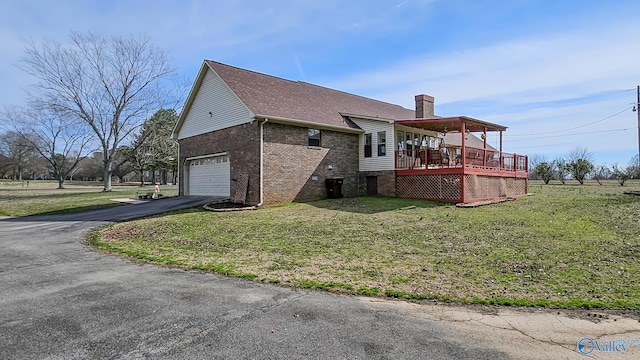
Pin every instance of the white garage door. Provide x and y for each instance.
(210, 176)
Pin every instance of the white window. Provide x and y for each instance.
(382, 143)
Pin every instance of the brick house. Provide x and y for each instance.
(273, 140)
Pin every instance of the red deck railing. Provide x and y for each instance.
(474, 158)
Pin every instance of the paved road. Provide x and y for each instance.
(60, 299)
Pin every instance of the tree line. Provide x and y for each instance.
(150, 156)
(579, 165)
(87, 112)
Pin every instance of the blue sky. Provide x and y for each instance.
(559, 74)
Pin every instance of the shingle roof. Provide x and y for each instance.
(272, 96)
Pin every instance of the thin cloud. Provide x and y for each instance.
(529, 84)
(298, 65)
(525, 71)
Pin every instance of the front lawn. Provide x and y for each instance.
(22, 198)
(566, 246)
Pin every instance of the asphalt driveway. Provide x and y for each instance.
(60, 299)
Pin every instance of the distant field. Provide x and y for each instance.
(41, 197)
(565, 246)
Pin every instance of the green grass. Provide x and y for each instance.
(41, 197)
(565, 246)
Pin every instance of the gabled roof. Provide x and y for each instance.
(267, 95)
(299, 102)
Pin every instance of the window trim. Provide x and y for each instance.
(311, 137)
(368, 148)
(382, 143)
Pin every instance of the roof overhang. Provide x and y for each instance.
(447, 124)
(308, 124)
(365, 117)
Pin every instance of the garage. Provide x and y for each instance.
(210, 176)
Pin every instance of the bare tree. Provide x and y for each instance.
(634, 167)
(59, 139)
(5, 165)
(121, 164)
(109, 83)
(600, 172)
(620, 174)
(177, 93)
(534, 160)
(89, 168)
(561, 168)
(17, 153)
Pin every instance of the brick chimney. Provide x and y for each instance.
(424, 106)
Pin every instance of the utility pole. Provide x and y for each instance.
(638, 112)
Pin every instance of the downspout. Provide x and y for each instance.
(262, 161)
(179, 173)
(178, 182)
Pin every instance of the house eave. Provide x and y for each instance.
(308, 124)
(365, 117)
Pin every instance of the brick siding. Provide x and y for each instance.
(242, 142)
(386, 182)
(290, 165)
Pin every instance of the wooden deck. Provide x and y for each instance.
(475, 161)
(455, 171)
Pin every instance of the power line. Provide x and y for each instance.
(566, 143)
(607, 132)
(545, 104)
(574, 134)
(573, 128)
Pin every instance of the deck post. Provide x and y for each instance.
(501, 156)
(484, 147)
(485, 137)
(463, 146)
